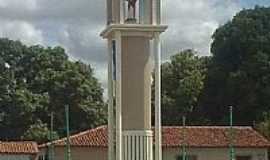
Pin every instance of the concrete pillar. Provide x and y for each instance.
(158, 136)
(122, 11)
(111, 117)
(118, 38)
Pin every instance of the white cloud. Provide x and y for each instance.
(192, 22)
(76, 24)
(19, 4)
(20, 30)
(83, 42)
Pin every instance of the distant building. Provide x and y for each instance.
(18, 151)
(203, 143)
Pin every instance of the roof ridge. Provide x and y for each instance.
(73, 136)
(246, 127)
(261, 135)
(85, 132)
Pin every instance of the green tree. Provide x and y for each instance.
(239, 74)
(264, 126)
(39, 132)
(37, 81)
(182, 82)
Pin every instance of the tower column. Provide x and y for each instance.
(158, 136)
(111, 117)
(122, 11)
(118, 39)
(154, 11)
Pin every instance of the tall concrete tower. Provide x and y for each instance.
(133, 33)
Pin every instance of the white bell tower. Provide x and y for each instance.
(133, 32)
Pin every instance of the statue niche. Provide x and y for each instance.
(131, 9)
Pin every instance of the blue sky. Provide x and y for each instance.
(252, 3)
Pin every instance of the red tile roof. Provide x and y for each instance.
(213, 137)
(18, 148)
(204, 136)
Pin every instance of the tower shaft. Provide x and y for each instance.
(136, 83)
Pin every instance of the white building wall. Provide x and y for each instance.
(14, 157)
(85, 153)
(216, 153)
(81, 153)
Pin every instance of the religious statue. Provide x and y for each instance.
(131, 9)
(132, 3)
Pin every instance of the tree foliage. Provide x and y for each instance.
(239, 74)
(264, 126)
(40, 132)
(182, 82)
(36, 81)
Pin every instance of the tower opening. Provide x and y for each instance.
(131, 11)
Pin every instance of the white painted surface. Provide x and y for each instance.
(141, 11)
(215, 153)
(130, 29)
(122, 11)
(158, 12)
(111, 136)
(15, 157)
(137, 145)
(86, 153)
(157, 55)
(119, 148)
(154, 12)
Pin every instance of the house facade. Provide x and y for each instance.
(202, 143)
(18, 151)
(216, 154)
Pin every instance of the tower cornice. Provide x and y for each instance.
(147, 30)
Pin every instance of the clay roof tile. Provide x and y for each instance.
(18, 147)
(196, 136)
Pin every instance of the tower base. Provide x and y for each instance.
(137, 145)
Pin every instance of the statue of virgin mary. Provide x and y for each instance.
(131, 9)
